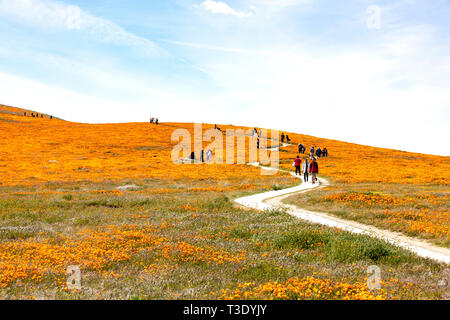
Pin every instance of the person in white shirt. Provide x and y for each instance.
(305, 170)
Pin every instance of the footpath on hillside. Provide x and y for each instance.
(274, 199)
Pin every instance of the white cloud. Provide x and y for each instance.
(282, 3)
(168, 106)
(390, 94)
(222, 8)
(59, 16)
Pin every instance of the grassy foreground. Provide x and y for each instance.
(186, 244)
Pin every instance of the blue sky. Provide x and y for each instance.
(371, 72)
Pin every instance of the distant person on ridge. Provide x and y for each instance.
(305, 170)
(297, 163)
(324, 152)
(288, 139)
(156, 121)
(314, 170)
(282, 138)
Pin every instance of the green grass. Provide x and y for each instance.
(277, 245)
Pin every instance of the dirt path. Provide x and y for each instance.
(273, 199)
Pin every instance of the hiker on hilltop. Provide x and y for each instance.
(325, 152)
(282, 138)
(305, 170)
(297, 163)
(314, 170)
(156, 121)
(255, 132)
(151, 120)
(288, 139)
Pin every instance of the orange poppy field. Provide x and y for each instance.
(109, 199)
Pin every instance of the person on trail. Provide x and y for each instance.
(288, 139)
(312, 150)
(151, 120)
(202, 156)
(305, 170)
(255, 133)
(192, 155)
(156, 121)
(318, 152)
(282, 138)
(209, 155)
(297, 163)
(301, 148)
(314, 170)
(325, 152)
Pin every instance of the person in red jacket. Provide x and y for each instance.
(297, 163)
(314, 170)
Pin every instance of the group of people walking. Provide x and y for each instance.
(308, 167)
(208, 154)
(36, 115)
(154, 120)
(318, 152)
(285, 138)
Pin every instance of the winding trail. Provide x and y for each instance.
(273, 199)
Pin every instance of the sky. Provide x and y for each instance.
(366, 71)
